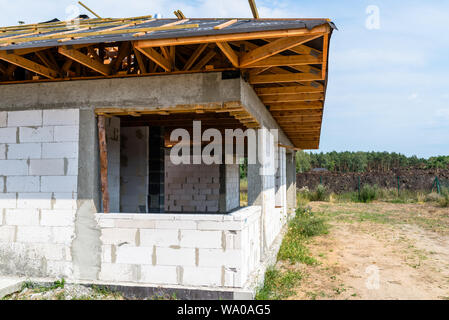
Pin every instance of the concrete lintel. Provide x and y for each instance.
(140, 92)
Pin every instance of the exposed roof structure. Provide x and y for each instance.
(285, 60)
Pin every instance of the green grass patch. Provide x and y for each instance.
(279, 284)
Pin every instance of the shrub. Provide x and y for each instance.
(444, 199)
(320, 194)
(368, 193)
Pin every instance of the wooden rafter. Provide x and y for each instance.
(203, 61)
(156, 57)
(272, 48)
(229, 53)
(292, 77)
(28, 64)
(85, 60)
(286, 61)
(293, 98)
(198, 51)
(287, 90)
(318, 31)
(289, 106)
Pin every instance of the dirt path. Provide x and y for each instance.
(379, 251)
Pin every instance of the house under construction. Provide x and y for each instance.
(87, 108)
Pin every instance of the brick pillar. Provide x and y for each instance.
(156, 158)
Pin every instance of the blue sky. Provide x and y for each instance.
(388, 88)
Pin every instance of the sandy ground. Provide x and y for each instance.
(379, 251)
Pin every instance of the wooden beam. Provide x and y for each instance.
(88, 9)
(204, 60)
(252, 4)
(124, 50)
(156, 57)
(272, 48)
(325, 54)
(276, 78)
(229, 53)
(289, 106)
(318, 31)
(140, 61)
(293, 97)
(287, 90)
(28, 64)
(103, 163)
(85, 60)
(225, 24)
(286, 61)
(198, 51)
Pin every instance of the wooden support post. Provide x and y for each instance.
(103, 163)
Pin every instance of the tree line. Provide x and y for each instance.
(365, 161)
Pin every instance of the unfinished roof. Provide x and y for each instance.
(285, 60)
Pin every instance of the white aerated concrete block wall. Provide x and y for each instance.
(38, 190)
(191, 188)
(180, 249)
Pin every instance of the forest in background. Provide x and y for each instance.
(365, 161)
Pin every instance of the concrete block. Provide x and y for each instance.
(175, 256)
(59, 183)
(135, 223)
(106, 223)
(40, 134)
(8, 200)
(156, 237)
(106, 253)
(8, 135)
(57, 218)
(159, 274)
(7, 233)
(117, 272)
(60, 150)
(217, 258)
(59, 269)
(72, 167)
(176, 224)
(2, 151)
(61, 117)
(24, 151)
(47, 167)
(22, 184)
(66, 133)
(34, 201)
(64, 201)
(220, 225)
(22, 217)
(118, 236)
(3, 117)
(202, 276)
(13, 168)
(201, 239)
(34, 234)
(63, 235)
(25, 118)
(134, 255)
